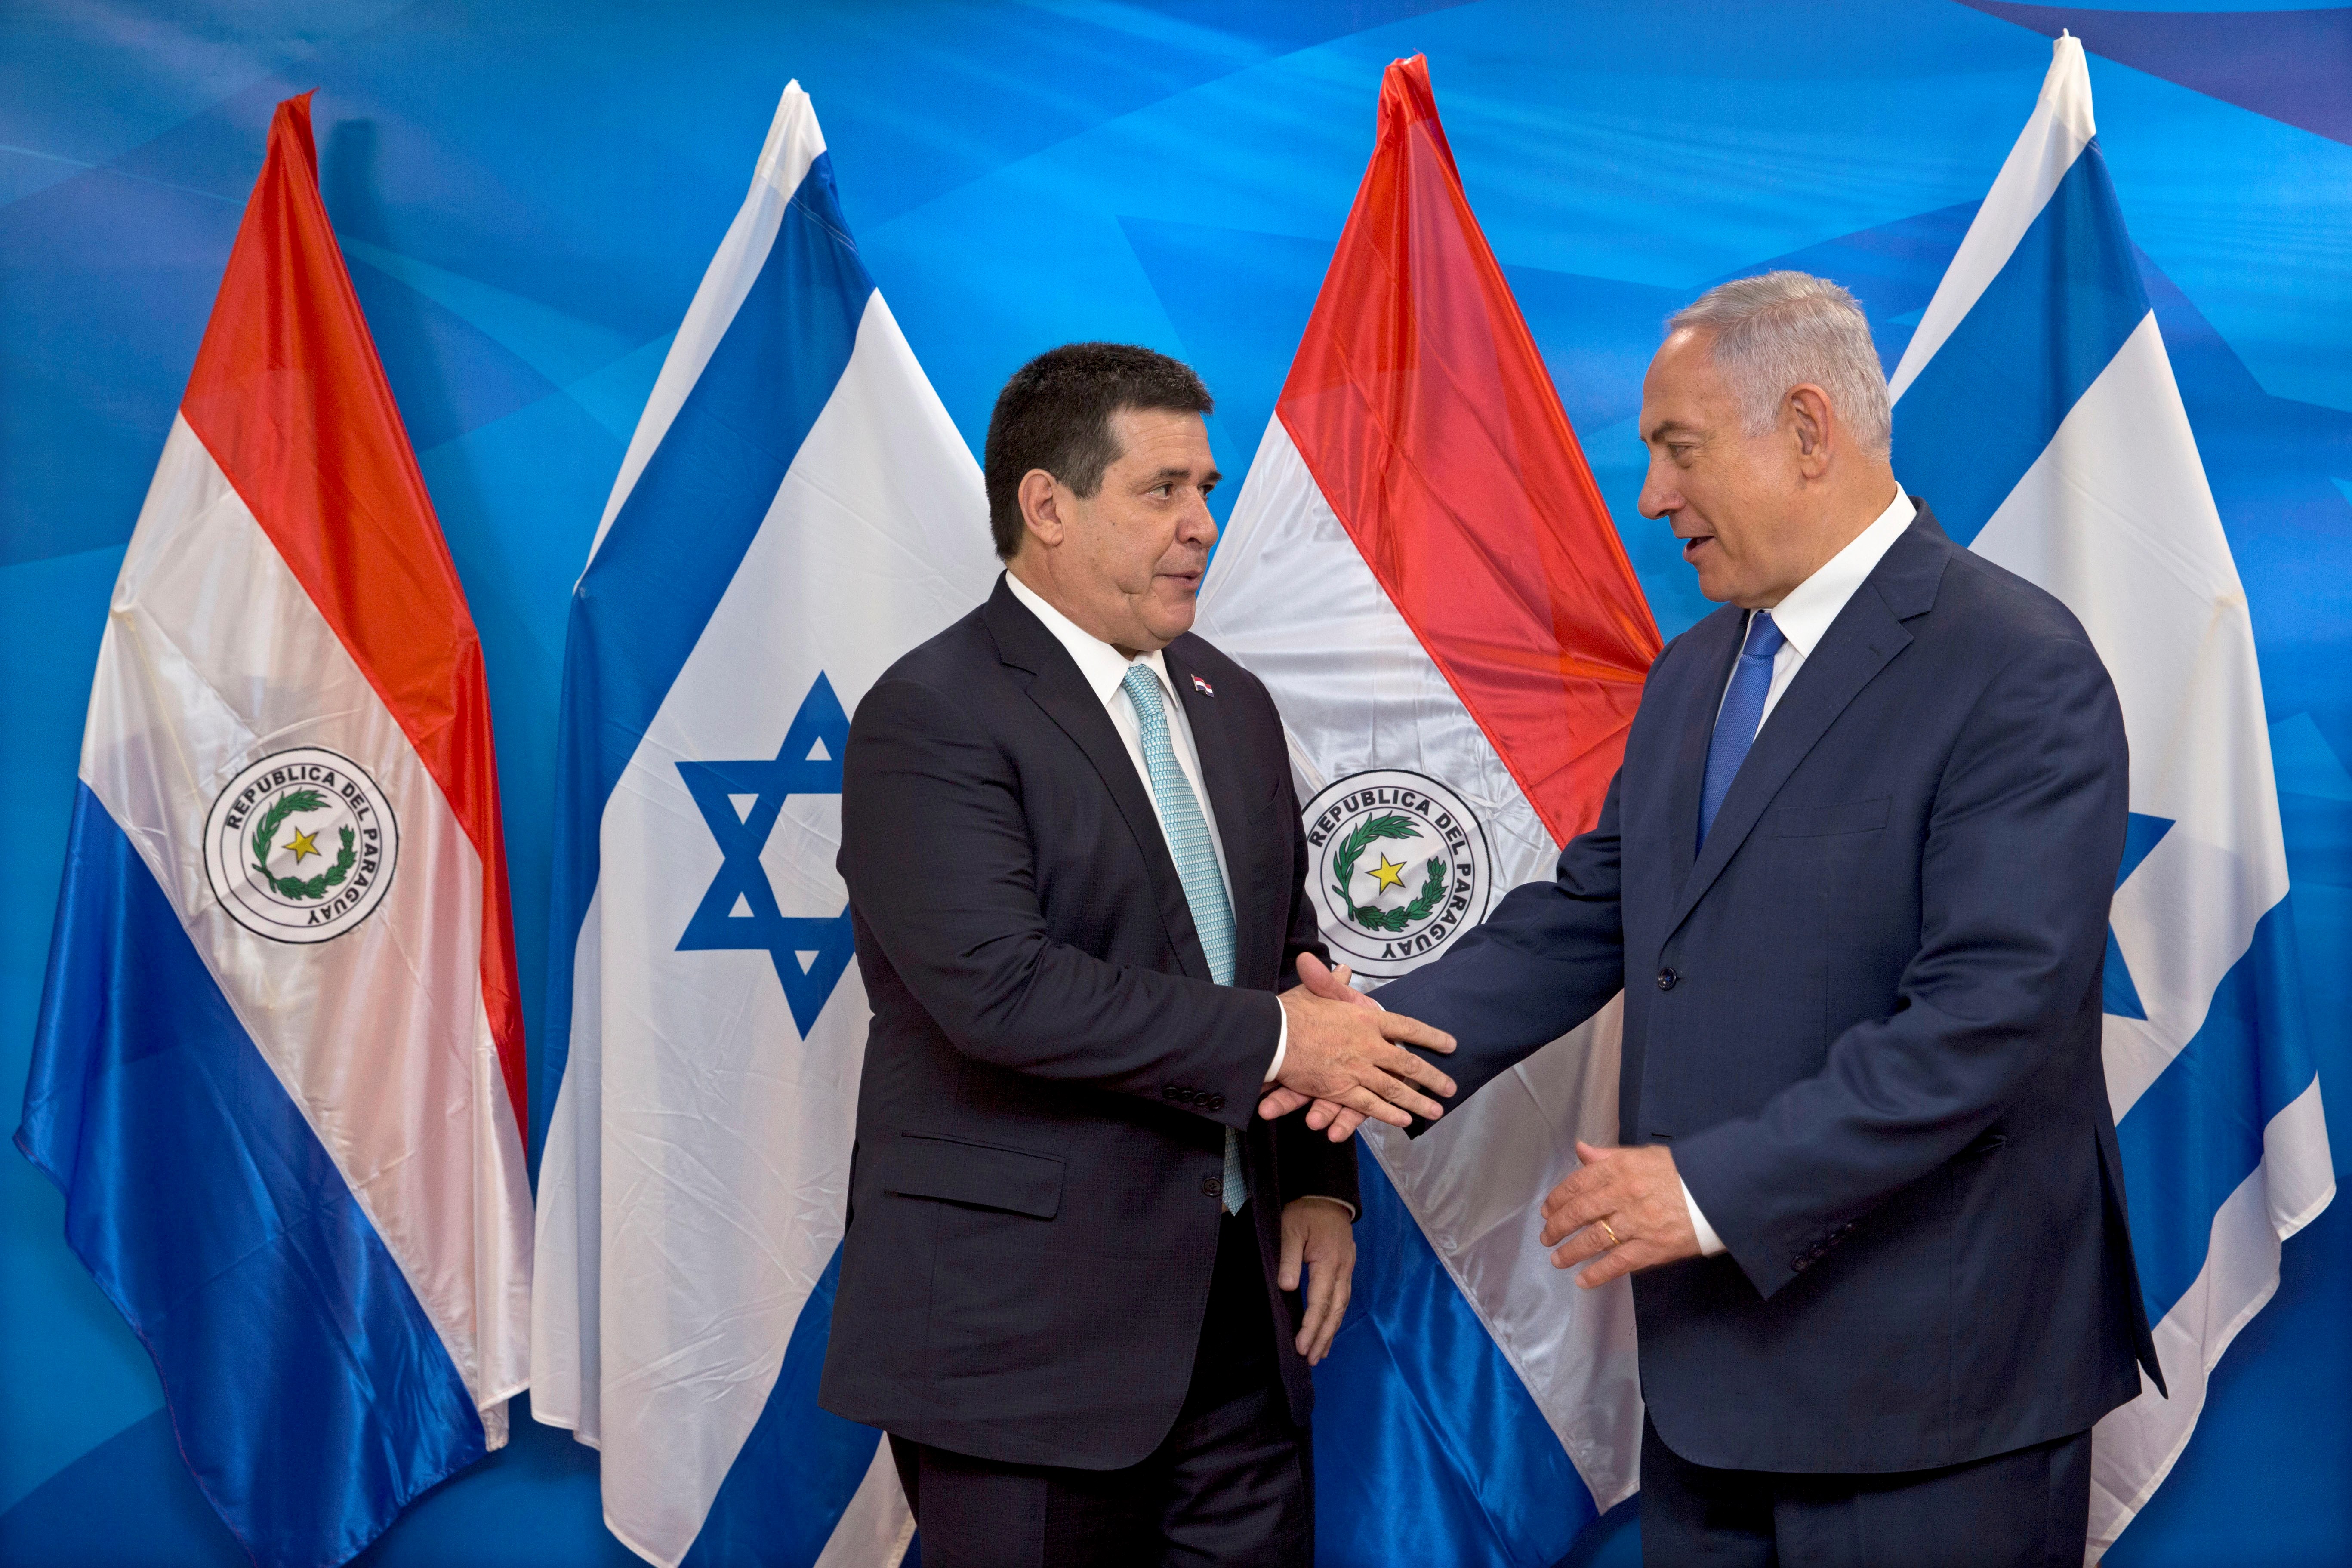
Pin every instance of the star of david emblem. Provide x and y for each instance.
(2117, 994)
(740, 910)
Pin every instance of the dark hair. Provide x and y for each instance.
(1055, 415)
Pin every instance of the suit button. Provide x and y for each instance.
(1170, 1091)
(1212, 1186)
(1215, 1102)
(1666, 978)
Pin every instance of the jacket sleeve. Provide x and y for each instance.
(1548, 957)
(2016, 872)
(1303, 930)
(1315, 1167)
(936, 851)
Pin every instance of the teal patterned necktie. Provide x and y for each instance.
(1196, 866)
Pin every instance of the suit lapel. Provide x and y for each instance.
(1055, 686)
(1226, 782)
(1866, 635)
(1717, 646)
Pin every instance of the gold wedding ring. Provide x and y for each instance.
(1608, 1230)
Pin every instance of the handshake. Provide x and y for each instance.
(1346, 1058)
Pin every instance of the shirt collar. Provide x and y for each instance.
(1804, 617)
(1102, 667)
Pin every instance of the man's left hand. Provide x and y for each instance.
(1320, 1233)
(1625, 1208)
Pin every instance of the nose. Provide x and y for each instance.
(1199, 526)
(1659, 496)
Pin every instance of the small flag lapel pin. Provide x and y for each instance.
(1204, 688)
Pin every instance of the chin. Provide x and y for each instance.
(1172, 618)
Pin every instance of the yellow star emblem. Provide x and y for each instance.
(1389, 873)
(303, 844)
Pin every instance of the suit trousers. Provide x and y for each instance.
(1232, 1483)
(2030, 1507)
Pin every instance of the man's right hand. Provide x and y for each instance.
(1336, 1123)
(1344, 1054)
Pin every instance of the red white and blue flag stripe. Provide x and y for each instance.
(1423, 573)
(278, 1062)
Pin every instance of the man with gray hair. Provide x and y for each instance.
(1853, 879)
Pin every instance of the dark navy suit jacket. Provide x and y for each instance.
(1865, 1018)
(1035, 1195)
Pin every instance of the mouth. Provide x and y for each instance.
(1186, 581)
(1695, 543)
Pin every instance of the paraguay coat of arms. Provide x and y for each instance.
(1399, 868)
(299, 845)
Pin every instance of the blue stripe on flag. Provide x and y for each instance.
(1428, 1449)
(1981, 412)
(2196, 1134)
(2119, 996)
(799, 1468)
(309, 1392)
(674, 547)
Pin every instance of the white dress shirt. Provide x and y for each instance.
(1804, 618)
(1104, 669)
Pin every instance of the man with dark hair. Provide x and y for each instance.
(1071, 1287)
(1054, 417)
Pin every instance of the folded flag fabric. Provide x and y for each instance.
(795, 511)
(1423, 573)
(277, 1071)
(2036, 408)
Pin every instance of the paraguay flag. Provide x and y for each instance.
(278, 1063)
(794, 512)
(1422, 572)
(2038, 411)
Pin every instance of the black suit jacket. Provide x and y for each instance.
(1035, 1195)
(1866, 1019)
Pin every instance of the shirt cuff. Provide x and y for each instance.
(1327, 1198)
(1281, 1047)
(1709, 1244)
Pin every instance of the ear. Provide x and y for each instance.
(1807, 416)
(1041, 500)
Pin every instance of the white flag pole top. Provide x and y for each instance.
(2085, 479)
(2061, 127)
(795, 510)
(793, 143)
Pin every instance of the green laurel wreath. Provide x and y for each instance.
(292, 802)
(1371, 916)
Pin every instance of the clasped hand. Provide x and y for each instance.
(1623, 1207)
(1327, 1114)
(1346, 1056)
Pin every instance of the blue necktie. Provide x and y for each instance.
(1742, 712)
(1196, 866)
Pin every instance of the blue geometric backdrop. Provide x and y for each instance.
(527, 193)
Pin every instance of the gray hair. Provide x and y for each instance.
(1781, 330)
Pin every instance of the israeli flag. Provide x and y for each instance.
(2038, 411)
(795, 511)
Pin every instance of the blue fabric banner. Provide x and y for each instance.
(527, 194)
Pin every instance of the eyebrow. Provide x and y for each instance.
(1166, 475)
(1665, 427)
